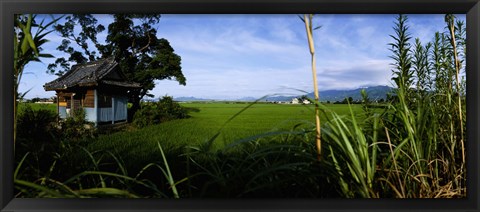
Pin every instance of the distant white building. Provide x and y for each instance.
(305, 101)
(295, 101)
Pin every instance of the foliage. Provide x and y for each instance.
(36, 135)
(27, 48)
(410, 148)
(400, 49)
(422, 126)
(276, 164)
(36, 129)
(33, 123)
(76, 128)
(353, 152)
(163, 110)
(131, 40)
(92, 181)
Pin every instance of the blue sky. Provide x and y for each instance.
(234, 56)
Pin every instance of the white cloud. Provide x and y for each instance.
(342, 75)
(237, 82)
(253, 55)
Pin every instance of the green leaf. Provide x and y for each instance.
(46, 55)
(169, 174)
(106, 192)
(25, 43)
(32, 44)
(44, 189)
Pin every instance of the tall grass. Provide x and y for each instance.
(412, 148)
(353, 153)
(422, 130)
(97, 181)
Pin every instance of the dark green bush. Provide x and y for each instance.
(77, 128)
(36, 135)
(36, 129)
(155, 113)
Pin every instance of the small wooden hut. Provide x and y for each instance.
(99, 88)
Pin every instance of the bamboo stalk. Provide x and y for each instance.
(451, 27)
(308, 27)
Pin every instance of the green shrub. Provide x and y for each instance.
(37, 136)
(163, 110)
(36, 129)
(77, 128)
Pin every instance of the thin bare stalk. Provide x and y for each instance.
(451, 27)
(395, 164)
(308, 27)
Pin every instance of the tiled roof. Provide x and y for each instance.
(88, 74)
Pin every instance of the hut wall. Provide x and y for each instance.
(89, 99)
(104, 107)
(90, 114)
(99, 106)
(89, 105)
(119, 109)
(62, 112)
(62, 107)
(120, 105)
(104, 114)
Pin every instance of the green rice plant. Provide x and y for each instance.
(353, 153)
(73, 187)
(168, 174)
(266, 164)
(262, 166)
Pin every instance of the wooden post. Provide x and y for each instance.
(95, 105)
(72, 105)
(58, 108)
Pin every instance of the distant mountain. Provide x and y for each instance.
(374, 93)
(280, 98)
(247, 99)
(189, 99)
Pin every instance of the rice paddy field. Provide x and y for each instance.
(37, 106)
(233, 122)
(254, 122)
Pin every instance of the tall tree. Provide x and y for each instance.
(131, 40)
(88, 31)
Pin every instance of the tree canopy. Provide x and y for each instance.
(131, 40)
